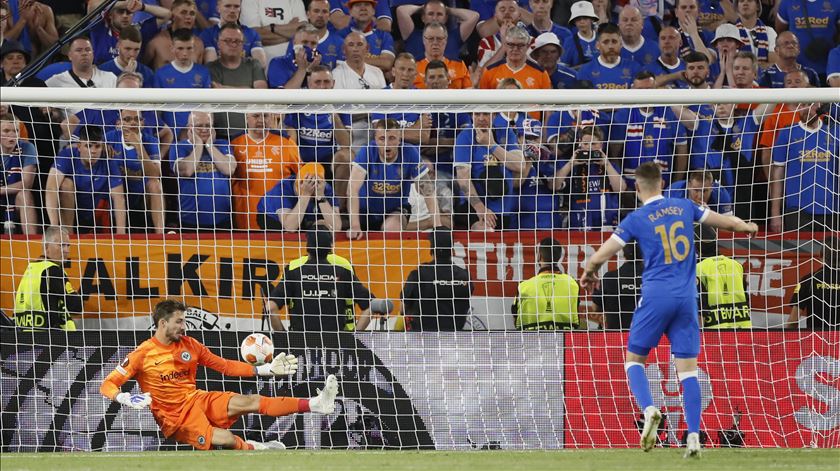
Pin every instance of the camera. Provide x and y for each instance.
(589, 155)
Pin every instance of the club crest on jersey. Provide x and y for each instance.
(201, 438)
(185, 356)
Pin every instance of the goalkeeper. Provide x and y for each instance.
(165, 366)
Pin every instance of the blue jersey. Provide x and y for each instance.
(562, 33)
(316, 136)
(447, 125)
(810, 160)
(658, 67)
(281, 69)
(378, 41)
(387, 185)
(169, 77)
(53, 69)
(647, 136)
(723, 148)
(204, 197)
(539, 207)
(13, 164)
(644, 55)
(720, 200)
(563, 77)
(478, 158)
(405, 120)
(664, 228)
(507, 128)
(773, 77)
(593, 204)
(380, 10)
(104, 40)
(129, 162)
(331, 48)
(283, 197)
(210, 37)
(832, 70)
(142, 69)
(572, 56)
(485, 8)
(414, 42)
(823, 17)
(619, 76)
(92, 183)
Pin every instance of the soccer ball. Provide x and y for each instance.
(257, 349)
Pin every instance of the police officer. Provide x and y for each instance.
(817, 296)
(436, 295)
(724, 303)
(44, 298)
(320, 290)
(549, 300)
(618, 295)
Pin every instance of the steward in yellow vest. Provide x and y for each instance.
(549, 300)
(44, 298)
(724, 303)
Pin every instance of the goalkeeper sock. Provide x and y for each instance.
(691, 400)
(280, 406)
(639, 385)
(240, 444)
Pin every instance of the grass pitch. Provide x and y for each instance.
(572, 460)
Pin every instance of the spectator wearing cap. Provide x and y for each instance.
(13, 59)
(229, 12)
(608, 71)
(436, 295)
(669, 67)
(516, 64)
(546, 52)
(31, 23)
(434, 41)
(458, 25)
(275, 21)
(539, 200)
(757, 37)
(580, 48)
(634, 46)
(787, 54)
(815, 24)
(549, 299)
(380, 43)
(128, 47)
(727, 43)
(491, 48)
(542, 22)
(338, 14)
(686, 13)
(83, 180)
(300, 202)
(161, 49)
(105, 35)
(485, 172)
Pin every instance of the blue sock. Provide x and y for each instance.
(692, 402)
(639, 385)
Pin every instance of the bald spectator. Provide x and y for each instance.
(380, 43)
(634, 47)
(491, 48)
(489, 23)
(815, 24)
(354, 72)
(458, 23)
(106, 34)
(516, 64)
(275, 21)
(669, 67)
(546, 51)
(328, 42)
(159, 50)
(229, 12)
(434, 47)
(786, 52)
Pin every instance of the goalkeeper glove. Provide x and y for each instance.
(135, 401)
(283, 364)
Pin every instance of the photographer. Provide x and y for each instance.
(594, 183)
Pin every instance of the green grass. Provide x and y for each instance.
(572, 460)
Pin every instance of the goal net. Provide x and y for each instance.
(209, 197)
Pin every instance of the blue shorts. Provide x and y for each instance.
(674, 317)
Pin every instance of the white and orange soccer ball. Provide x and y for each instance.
(257, 349)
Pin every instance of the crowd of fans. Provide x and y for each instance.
(154, 171)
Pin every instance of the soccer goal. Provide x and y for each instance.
(207, 197)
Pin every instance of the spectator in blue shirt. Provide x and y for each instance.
(833, 68)
(539, 205)
(290, 70)
(413, 19)
(106, 33)
(128, 50)
(485, 172)
(380, 183)
(380, 43)
(541, 22)
(787, 55)
(339, 14)
(229, 11)
(546, 52)
(669, 66)
(701, 187)
(137, 153)
(594, 183)
(300, 202)
(686, 13)
(805, 169)
(203, 166)
(634, 46)
(83, 180)
(18, 167)
(580, 48)
(329, 44)
(815, 27)
(182, 72)
(609, 70)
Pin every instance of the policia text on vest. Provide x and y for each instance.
(45, 299)
(723, 299)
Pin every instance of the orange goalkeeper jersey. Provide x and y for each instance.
(167, 373)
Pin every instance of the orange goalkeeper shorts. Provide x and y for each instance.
(203, 412)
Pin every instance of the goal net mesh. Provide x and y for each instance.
(209, 204)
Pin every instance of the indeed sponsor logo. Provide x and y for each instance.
(174, 376)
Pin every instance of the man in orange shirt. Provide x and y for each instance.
(782, 116)
(164, 367)
(434, 45)
(516, 65)
(263, 158)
